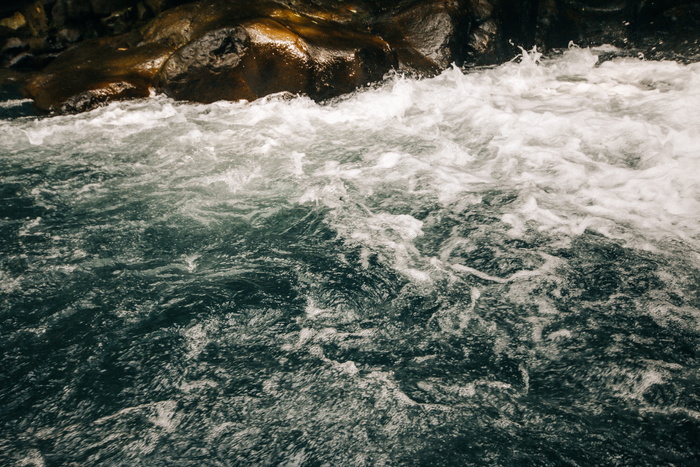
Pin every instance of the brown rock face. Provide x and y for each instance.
(210, 50)
(97, 72)
(264, 56)
(214, 50)
(429, 35)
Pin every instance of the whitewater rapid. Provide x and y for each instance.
(497, 266)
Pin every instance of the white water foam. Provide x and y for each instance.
(286, 281)
(613, 148)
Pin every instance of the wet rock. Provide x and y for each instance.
(195, 70)
(99, 71)
(23, 61)
(35, 15)
(26, 54)
(107, 7)
(156, 6)
(245, 49)
(13, 45)
(69, 35)
(120, 21)
(668, 30)
(654, 29)
(211, 51)
(10, 84)
(585, 22)
(14, 22)
(68, 13)
(177, 26)
(265, 56)
(428, 36)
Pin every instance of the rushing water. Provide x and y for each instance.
(498, 267)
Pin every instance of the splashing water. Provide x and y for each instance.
(498, 267)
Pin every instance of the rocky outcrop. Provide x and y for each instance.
(98, 71)
(429, 35)
(212, 50)
(281, 51)
(76, 54)
(34, 32)
(659, 29)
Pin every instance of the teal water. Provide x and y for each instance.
(499, 267)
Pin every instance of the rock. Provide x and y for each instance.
(659, 29)
(245, 49)
(14, 45)
(22, 61)
(36, 19)
(668, 30)
(428, 36)
(232, 63)
(98, 71)
(215, 50)
(119, 22)
(14, 22)
(156, 6)
(177, 26)
(142, 11)
(584, 22)
(69, 35)
(265, 56)
(25, 54)
(104, 8)
(70, 13)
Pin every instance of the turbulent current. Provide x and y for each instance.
(490, 267)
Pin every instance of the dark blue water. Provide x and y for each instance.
(494, 268)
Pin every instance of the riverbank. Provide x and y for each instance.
(73, 55)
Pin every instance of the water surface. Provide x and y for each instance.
(494, 267)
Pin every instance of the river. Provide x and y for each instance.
(496, 266)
